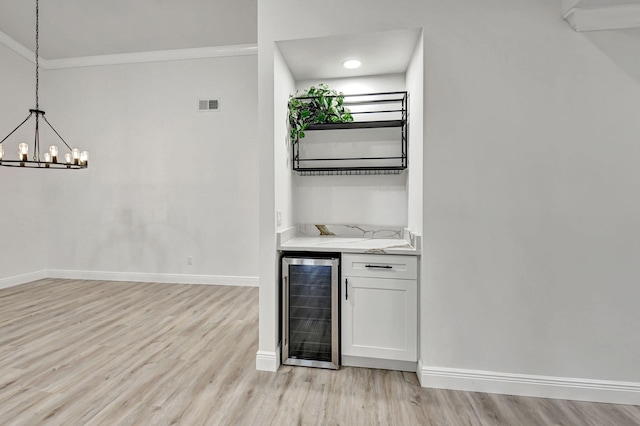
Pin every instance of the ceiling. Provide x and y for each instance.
(81, 28)
(78, 28)
(386, 52)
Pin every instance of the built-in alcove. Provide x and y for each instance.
(387, 61)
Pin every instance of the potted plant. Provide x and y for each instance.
(317, 105)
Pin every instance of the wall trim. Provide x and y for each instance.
(268, 361)
(23, 279)
(530, 385)
(238, 281)
(26, 53)
(130, 58)
(156, 56)
(611, 17)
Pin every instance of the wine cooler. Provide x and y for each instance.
(310, 315)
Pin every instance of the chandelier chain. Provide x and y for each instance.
(36, 151)
(73, 159)
(37, 52)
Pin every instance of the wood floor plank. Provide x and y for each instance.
(78, 352)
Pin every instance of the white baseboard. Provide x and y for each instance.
(154, 278)
(23, 279)
(530, 385)
(268, 361)
(130, 276)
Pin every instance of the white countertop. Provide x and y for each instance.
(288, 240)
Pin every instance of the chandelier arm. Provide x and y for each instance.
(20, 125)
(56, 132)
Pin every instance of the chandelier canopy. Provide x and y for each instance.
(51, 158)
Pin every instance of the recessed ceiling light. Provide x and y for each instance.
(351, 64)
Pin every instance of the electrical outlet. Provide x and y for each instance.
(189, 260)
(278, 218)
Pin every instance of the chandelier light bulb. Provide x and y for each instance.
(84, 158)
(1, 152)
(23, 150)
(75, 153)
(47, 159)
(67, 159)
(53, 150)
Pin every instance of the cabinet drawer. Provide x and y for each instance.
(380, 266)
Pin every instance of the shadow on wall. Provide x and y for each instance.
(622, 47)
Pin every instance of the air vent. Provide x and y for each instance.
(208, 105)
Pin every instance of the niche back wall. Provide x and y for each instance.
(169, 190)
(362, 200)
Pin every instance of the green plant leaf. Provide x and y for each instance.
(318, 104)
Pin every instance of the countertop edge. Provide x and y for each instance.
(287, 240)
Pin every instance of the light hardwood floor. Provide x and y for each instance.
(111, 353)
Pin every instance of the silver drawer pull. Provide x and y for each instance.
(379, 266)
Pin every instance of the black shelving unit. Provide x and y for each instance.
(390, 110)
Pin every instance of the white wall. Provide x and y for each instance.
(362, 200)
(530, 232)
(415, 172)
(284, 85)
(530, 167)
(165, 181)
(22, 242)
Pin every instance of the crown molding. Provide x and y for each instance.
(567, 5)
(612, 17)
(155, 56)
(130, 58)
(17, 47)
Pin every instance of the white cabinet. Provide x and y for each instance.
(379, 306)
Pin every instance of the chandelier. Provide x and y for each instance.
(52, 158)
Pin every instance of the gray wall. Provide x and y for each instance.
(165, 182)
(22, 220)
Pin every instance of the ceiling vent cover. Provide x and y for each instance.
(208, 105)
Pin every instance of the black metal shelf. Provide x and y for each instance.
(394, 117)
(358, 124)
(353, 171)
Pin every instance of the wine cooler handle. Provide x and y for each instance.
(346, 288)
(285, 293)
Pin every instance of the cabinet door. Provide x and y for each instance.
(379, 318)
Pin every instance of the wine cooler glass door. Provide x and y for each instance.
(311, 320)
